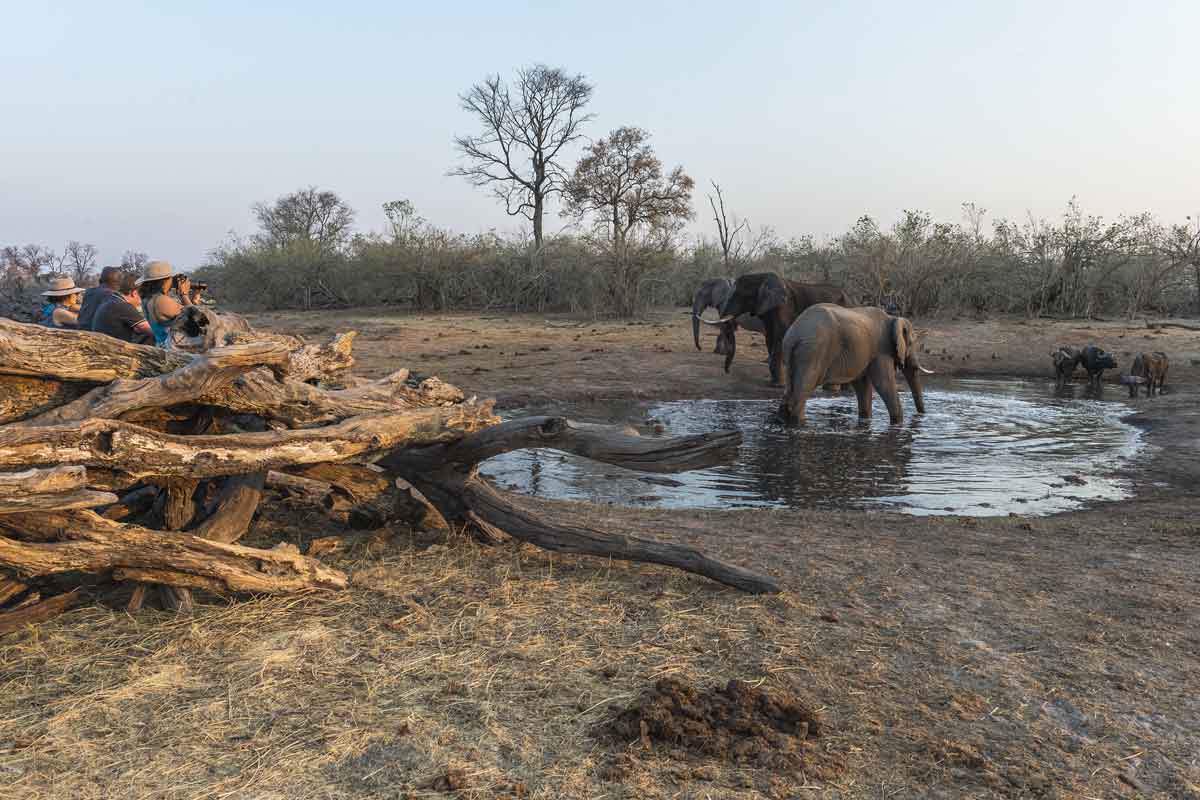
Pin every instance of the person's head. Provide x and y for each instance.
(156, 278)
(127, 287)
(110, 277)
(63, 290)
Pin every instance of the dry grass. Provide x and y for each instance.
(948, 658)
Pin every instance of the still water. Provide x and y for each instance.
(984, 448)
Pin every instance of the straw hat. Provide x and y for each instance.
(62, 287)
(155, 271)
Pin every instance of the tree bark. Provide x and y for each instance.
(140, 452)
(43, 352)
(234, 509)
(488, 506)
(55, 488)
(205, 374)
(42, 481)
(11, 621)
(22, 397)
(10, 588)
(301, 405)
(80, 541)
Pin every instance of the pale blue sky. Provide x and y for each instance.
(130, 125)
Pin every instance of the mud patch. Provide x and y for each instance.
(735, 723)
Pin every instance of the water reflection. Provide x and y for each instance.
(984, 448)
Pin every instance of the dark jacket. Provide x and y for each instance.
(93, 298)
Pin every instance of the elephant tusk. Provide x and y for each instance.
(926, 371)
(705, 321)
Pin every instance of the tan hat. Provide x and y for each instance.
(155, 271)
(62, 287)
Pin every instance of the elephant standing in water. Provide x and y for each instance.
(713, 293)
(859, 346)
(776, 302)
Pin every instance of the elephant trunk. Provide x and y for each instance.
(913, 374)
(729, 334)
(699, 303)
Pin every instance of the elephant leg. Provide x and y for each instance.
(803, 377)
(882, 374)
(865, 394)
(793, 407)
(775, 364)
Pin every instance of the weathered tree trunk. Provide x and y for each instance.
(140, 452)
(80, 541)
(17, 619)
(448, 476)
(43, 352)
(47, 490)
(230, 517)
(22, 397)
(205, 374)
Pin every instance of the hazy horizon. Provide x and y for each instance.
(134, 128)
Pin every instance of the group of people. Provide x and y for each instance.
(133, 308)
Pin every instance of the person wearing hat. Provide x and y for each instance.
(93, 298)
(119, 317)
(158, 306)
(62, 304)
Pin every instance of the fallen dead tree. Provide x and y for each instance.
(130, 463)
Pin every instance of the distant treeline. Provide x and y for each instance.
(307, 255)
(1077, 266)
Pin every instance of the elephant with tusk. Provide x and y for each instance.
(776, 302)
(860, 346)
(712, 294)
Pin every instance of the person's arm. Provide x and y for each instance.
(167, 308)
(133, 319)
(67, 318)
(185, 290)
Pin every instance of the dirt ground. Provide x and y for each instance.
(947, 657)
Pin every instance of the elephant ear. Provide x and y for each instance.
(771, 294)
(902, 337)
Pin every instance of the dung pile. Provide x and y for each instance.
(735, 723)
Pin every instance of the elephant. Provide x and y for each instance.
(713, 293)
(861, 346)
(777, 302)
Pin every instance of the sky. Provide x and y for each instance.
(135, 126)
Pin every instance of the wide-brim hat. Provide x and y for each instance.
(155, 271)
(62, 287)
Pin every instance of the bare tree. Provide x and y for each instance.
(134, 261)
(620, 180)
(1180, 245)
(730, 236)
(25, 265)
(403, 221)
(79, 261)
(524, 132)
(306, 216)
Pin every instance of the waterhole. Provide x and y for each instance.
(983, 448)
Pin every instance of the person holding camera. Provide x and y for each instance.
(159, 307)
